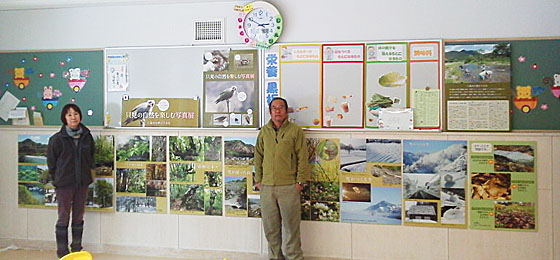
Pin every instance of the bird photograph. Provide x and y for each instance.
(229, 96)
(140, 112)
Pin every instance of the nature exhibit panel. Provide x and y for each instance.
(478, 86)
(241, 198)
(34, 188)
(434, 182)
(101, 191)
(195, 172)
(320, 197)
(294, 72)
(231, 88)
(141, 177)
(403, 75)
(503, 185)
(160, 112)
(35, 85)
(370, 179)
(343, 85)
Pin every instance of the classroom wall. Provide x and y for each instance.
(305, 21)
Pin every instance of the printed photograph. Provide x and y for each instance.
(383, 151)
(324, 159)
(229, 96)
(356, 192)
(31, 194)
(212, 179)
(453, 206)
(186, 197)
(389, 174)
(133, 148)
(421, 186)
(104, 155)
(254, 210)
(477, 63)
(434, 156)
(421, 211)
(215, 60)
(213, 202)
(182, 172)
(186, 148)
(239, 151)
(156, 188)
(102, 193)
(235, 193)
(515, 215)
(385, 208)
(159, 148)
(491, 186)
(33, 148)
(514, 158)
(325, 211)
(131, 180)
(136, 204)
(352, 155)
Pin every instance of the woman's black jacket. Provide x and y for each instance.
(71, 165)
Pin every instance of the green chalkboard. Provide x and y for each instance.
(534, 64)
(45, 81)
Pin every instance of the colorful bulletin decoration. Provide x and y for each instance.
(321, 196)
(370, 181)
(402, 75)
(231, 89)
(100, 197)
(141, 177)
(478, 87)
(34, 188)
(46, 81)
(434, 183)
(160, 112)
(343, 65)
(294, 72)
(503, 182)
(241, 196)
(196, 177)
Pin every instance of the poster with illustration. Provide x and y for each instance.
(370, 181)
(195, 172)
(478, 86)
(343, 85)
(503, 185)
(141, 174)
(402, 75)
(434, 182)
(321, 196)
(160, 112)
(293, 71)
(231, 89)
(239, 172)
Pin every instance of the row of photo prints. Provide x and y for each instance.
(377, 181)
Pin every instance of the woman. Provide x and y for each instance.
(70, 161)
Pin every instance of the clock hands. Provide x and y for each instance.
(258, 24)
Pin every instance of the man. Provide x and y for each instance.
(281, 167)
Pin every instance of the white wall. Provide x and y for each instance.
(127, 24)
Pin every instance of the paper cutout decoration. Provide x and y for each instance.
(76, 78)
(20, 80)
(50, 97)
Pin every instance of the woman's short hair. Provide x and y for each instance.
(65, 111)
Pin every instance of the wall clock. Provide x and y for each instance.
(260, 24)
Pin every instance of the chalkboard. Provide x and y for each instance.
(157, 72)
(44, 81)
(535, 75)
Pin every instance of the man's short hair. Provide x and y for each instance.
(277, 98)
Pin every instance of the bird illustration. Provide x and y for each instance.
(141, 112)
(226, 95)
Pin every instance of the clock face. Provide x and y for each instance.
(260, 25)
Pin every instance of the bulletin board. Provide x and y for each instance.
(162, 72)
(40, 83)
(535, 82)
